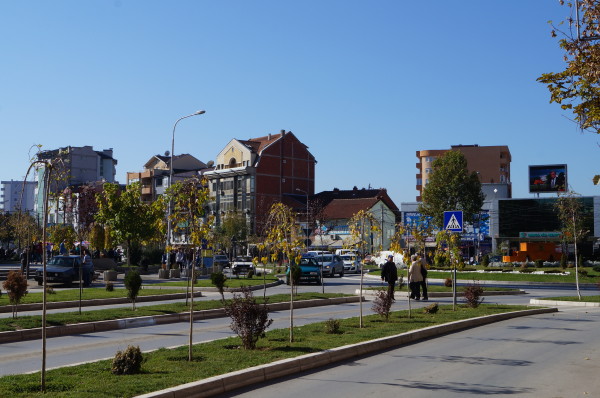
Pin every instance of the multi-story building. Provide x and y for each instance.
(78, 166)
(491, 163)
(155, 177)
(17, 195)
(250, 175)
(339, 206)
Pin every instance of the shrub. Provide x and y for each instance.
(448, 282)
(382, 304)
(110, 286)
(526, 270)
(582, 272)
(431, 308)
(553, 271)
(485, 261)
(596, 268)
(249, 320)
(127, 362)
(539, 263)
(16, 288)
(50, 290)
(472, 294)
(332, 326)
(133, 284)
(250, 274)
(218, 279)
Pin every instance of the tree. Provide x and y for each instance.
(233, 225)
(362, 225)
(16, 287)
(572, 219)
(451, 187)
(130, 219)
(133, 284)
(577, 87)
(284, 239)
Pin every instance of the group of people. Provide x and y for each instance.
(417, 276)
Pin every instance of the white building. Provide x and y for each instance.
(10, 196)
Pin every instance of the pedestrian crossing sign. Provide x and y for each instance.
(453, 221)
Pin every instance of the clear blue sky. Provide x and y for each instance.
(365, 84)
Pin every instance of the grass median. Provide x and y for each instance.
(169, 367)
(67, 318)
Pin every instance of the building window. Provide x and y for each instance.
(428, 170)
(419, 181)
(159, 182)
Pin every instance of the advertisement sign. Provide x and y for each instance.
(548, 178)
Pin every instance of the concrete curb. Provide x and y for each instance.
(125, 323)
(371, 293)
(242, 378)
(564, 303)
(124, 300)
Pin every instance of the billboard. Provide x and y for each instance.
(548, 178)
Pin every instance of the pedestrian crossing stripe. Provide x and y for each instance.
(453, 224)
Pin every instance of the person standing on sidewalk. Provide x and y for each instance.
(424, 275)
(415, 278)
(389, 273)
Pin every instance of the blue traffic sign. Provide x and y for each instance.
(453, 221)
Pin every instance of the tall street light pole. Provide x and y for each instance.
(169, 232)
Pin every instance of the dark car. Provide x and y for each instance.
(65, 269)
(220, 261)
(310, 270)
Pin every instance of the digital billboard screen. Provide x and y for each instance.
(548, 178)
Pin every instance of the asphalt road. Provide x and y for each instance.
(552, 355)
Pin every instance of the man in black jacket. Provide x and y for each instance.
(389, 273)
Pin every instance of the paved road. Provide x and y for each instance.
(552, 355)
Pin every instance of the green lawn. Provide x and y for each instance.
(167, 368)
(66, 318)
(444, 289)
(589, 299)
(231, 282)
(88, 294)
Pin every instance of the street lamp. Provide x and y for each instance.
(171, 180)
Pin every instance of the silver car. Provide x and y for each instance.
(351, 263)
(332, 264)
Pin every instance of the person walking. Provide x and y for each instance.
(424, 275)
(415, 278)
(389, 273)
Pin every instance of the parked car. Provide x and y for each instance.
(310, 270)
(332, 264)
(316, 253)
(351, 263)
(65, 269)
(242, 265)
(221, 261)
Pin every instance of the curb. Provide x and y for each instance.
(564, 303)
(243, 378)
(126, 323)
(371, 293)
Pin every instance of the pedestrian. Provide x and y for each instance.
(63, 248)
(389, 273)
(415, 278)
(424, 275)
(180, 258)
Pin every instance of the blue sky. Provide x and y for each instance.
(365, 84)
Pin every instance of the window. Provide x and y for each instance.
(159, 182)
(419, 181)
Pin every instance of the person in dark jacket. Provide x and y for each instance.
(389, 273)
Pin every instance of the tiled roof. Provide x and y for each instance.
(260, 143)
(346, 208)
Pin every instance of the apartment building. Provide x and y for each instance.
(17, 195)
(250, 175)
(491, 163)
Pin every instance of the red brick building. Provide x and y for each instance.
(250, 175)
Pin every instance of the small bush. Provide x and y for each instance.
(133, 284)
(50, 290)
(526, 270)
(127, 362)
(249, 320)
(596, 268)
(472, 294)
(382, 304)
(218, 279)
(250, 274)
(16, 288)
(448, 282)
(539, 263)
(582, 272)
(332, 326)
(109, 286)
(431, 308)
(553, 271)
